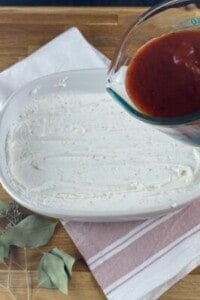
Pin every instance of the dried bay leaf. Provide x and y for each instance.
(55, 270)
(43, 277)
(32, 232)
(67, 259)
(53, 266)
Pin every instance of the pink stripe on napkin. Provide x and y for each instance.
(119, 254)
(116, 231)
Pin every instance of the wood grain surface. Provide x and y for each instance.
(23, 30)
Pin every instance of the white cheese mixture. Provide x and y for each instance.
(84, 152)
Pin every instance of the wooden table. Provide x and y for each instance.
(22, 30)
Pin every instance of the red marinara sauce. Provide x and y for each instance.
(163, 79)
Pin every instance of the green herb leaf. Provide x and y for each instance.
(43, 277)
(33, 231)
(53, 266)
(67, 259)
(55, 270)
(4, 251)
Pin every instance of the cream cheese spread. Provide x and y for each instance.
(84, 152)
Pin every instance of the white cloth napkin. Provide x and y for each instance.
(131, 260)
(68, 51)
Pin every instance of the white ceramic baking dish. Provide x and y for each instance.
(93, 82)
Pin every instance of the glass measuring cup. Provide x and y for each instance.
(169, 16)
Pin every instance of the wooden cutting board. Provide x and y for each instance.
(23, 30)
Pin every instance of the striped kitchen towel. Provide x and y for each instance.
(140, 260)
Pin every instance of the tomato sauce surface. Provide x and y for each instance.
(163, 79)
